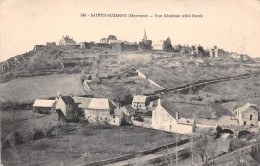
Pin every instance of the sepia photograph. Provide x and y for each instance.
(130, 82)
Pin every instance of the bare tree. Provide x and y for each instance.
(201, 147)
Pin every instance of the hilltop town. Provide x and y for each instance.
(118, 103)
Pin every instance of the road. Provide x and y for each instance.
(141, 160)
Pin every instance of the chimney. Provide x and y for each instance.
(159, 102)
(177, 115)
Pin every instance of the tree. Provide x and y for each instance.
(205, 147)
(200, 146)
(122, 95)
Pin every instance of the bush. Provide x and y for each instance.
(6, 144)
(18, 138)
(236, 144)
(38, 134)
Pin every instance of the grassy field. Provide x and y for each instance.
(176, 72)
(85, 145)
(29, 89)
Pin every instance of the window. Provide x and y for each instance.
(170, 127)
(244, 122)
(251, 116)
(114, 116)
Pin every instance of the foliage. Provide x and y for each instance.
(38, 134)
(18, 138)
(205, 147)
(236, 144)
(122, 95)
(44, 61)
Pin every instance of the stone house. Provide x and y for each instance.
(66, 40)
(167, 119)
(44, 106)
(99, 110)
(158, 45)
(140, 102)
(67, 107)
(247, 115)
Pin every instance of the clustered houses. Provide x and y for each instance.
(118, 46)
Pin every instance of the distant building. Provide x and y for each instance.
(145, 44)
(44, 106)
(157, 45)
(247, 115)
(86, 45)
(66, 40)
(117, 47)
(164, 118)
(185, 50)
(162, 45)
(111, 37)
(51, 44)
(140, 102)
(104, 41)
(66, 107)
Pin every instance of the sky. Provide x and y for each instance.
(232, 25)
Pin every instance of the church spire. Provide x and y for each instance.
(145, 37)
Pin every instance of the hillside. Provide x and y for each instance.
(47, 71)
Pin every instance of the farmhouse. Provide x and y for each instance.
(99, 110)
(247, 115)
(140, 102)
(163, 118)
(67, 107)
(44, 106)
(66, 40)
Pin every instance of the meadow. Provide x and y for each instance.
(85, 145)
(30, 88)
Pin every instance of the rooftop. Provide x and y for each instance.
(43, 103)
(140, 99)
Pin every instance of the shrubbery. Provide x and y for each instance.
(236, 144)
(38, 134)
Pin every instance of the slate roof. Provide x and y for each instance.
(129, 108)
(245, 107)
(82, 102)
(101, 104)
(68, 100)
(186, 121)
(139, 99)
(43, 103)
(117, 112)
(170, 108)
